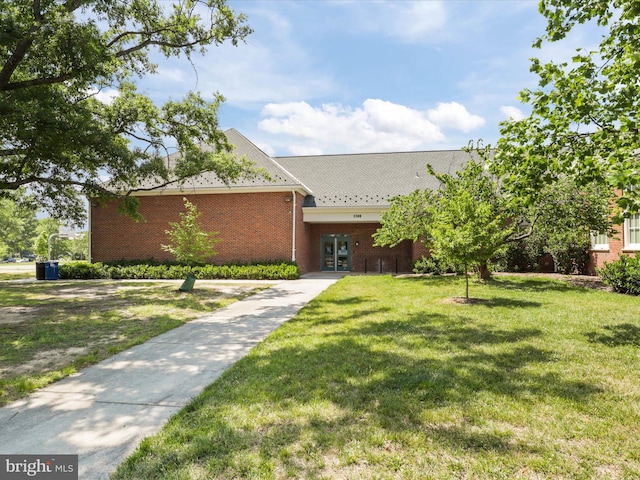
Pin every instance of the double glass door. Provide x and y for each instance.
(336, 253)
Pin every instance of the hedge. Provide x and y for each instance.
(156, 271)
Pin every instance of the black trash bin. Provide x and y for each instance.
(40, 270)
(51, 270)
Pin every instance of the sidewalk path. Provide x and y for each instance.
(103, 412)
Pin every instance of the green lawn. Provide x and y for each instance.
(383, 377)
(49, 330)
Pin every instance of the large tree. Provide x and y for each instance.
(59, 140)
(584, 113)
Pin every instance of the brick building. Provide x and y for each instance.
(319, 211)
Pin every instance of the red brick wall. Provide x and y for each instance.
(616, 247)
(303, 241)
(252, 226)
(419, 251)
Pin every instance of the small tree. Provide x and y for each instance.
(190, 244)
(59, 246)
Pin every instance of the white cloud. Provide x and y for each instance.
(105, 95)
(376, 126)
(409, 22)
(454, 115)
(271, 66)
(511, 112)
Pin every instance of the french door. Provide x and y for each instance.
(336, 253)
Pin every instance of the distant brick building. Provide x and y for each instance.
(319, 211)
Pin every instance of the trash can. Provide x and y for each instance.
(40, 270)
(51, 270)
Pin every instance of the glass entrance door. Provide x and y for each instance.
(336, 253)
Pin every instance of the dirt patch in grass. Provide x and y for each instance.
(46, 360)
(465, 301)
(50, 329)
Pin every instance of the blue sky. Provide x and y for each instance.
(322, 77)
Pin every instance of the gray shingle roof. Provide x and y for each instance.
(369, 179)
(243, 147)
(351, 180)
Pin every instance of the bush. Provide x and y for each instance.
(151, 270)
(82, 271)
(570, 251)
(623, 275)
(433, 266)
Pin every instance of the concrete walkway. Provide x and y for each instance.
(103, 412)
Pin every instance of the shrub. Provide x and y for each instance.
(623, 275)
(151, 270)
(570, 251)
(433, 266)
(82, 271)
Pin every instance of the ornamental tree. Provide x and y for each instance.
(466, 222)
(470, 221)
(190, 243)
(59, 140)
(584, 113)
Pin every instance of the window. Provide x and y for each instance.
(599, 241)
(632, 232)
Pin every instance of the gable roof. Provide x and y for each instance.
(209, 181)
(369, 179)
(348, 180)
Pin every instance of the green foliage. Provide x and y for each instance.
(17, 223)
(58, 136)
(154, 271)
(433, 266)
(190, 244)
(79, 247)
(59, 246)
(565, 215)
(82, 271)
(408, 218)
(465, 223)
(623, 275)
(471, 222)
(584, 113)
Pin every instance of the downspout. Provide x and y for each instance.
(89, 231)
(293, 230)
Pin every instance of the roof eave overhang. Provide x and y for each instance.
(348, 214)
(221, 190)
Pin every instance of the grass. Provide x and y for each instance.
(17, 271)
(386, 378)
(49, 330)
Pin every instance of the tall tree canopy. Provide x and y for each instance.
(584, 113)
(59, 140)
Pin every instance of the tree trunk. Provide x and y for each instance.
(466, 278)
(483, 272)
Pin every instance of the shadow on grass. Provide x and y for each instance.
(532, 284)
(382, 376)
(617, 335)
(535, 284)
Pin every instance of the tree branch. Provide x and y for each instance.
(522, 236)
(36, 82)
